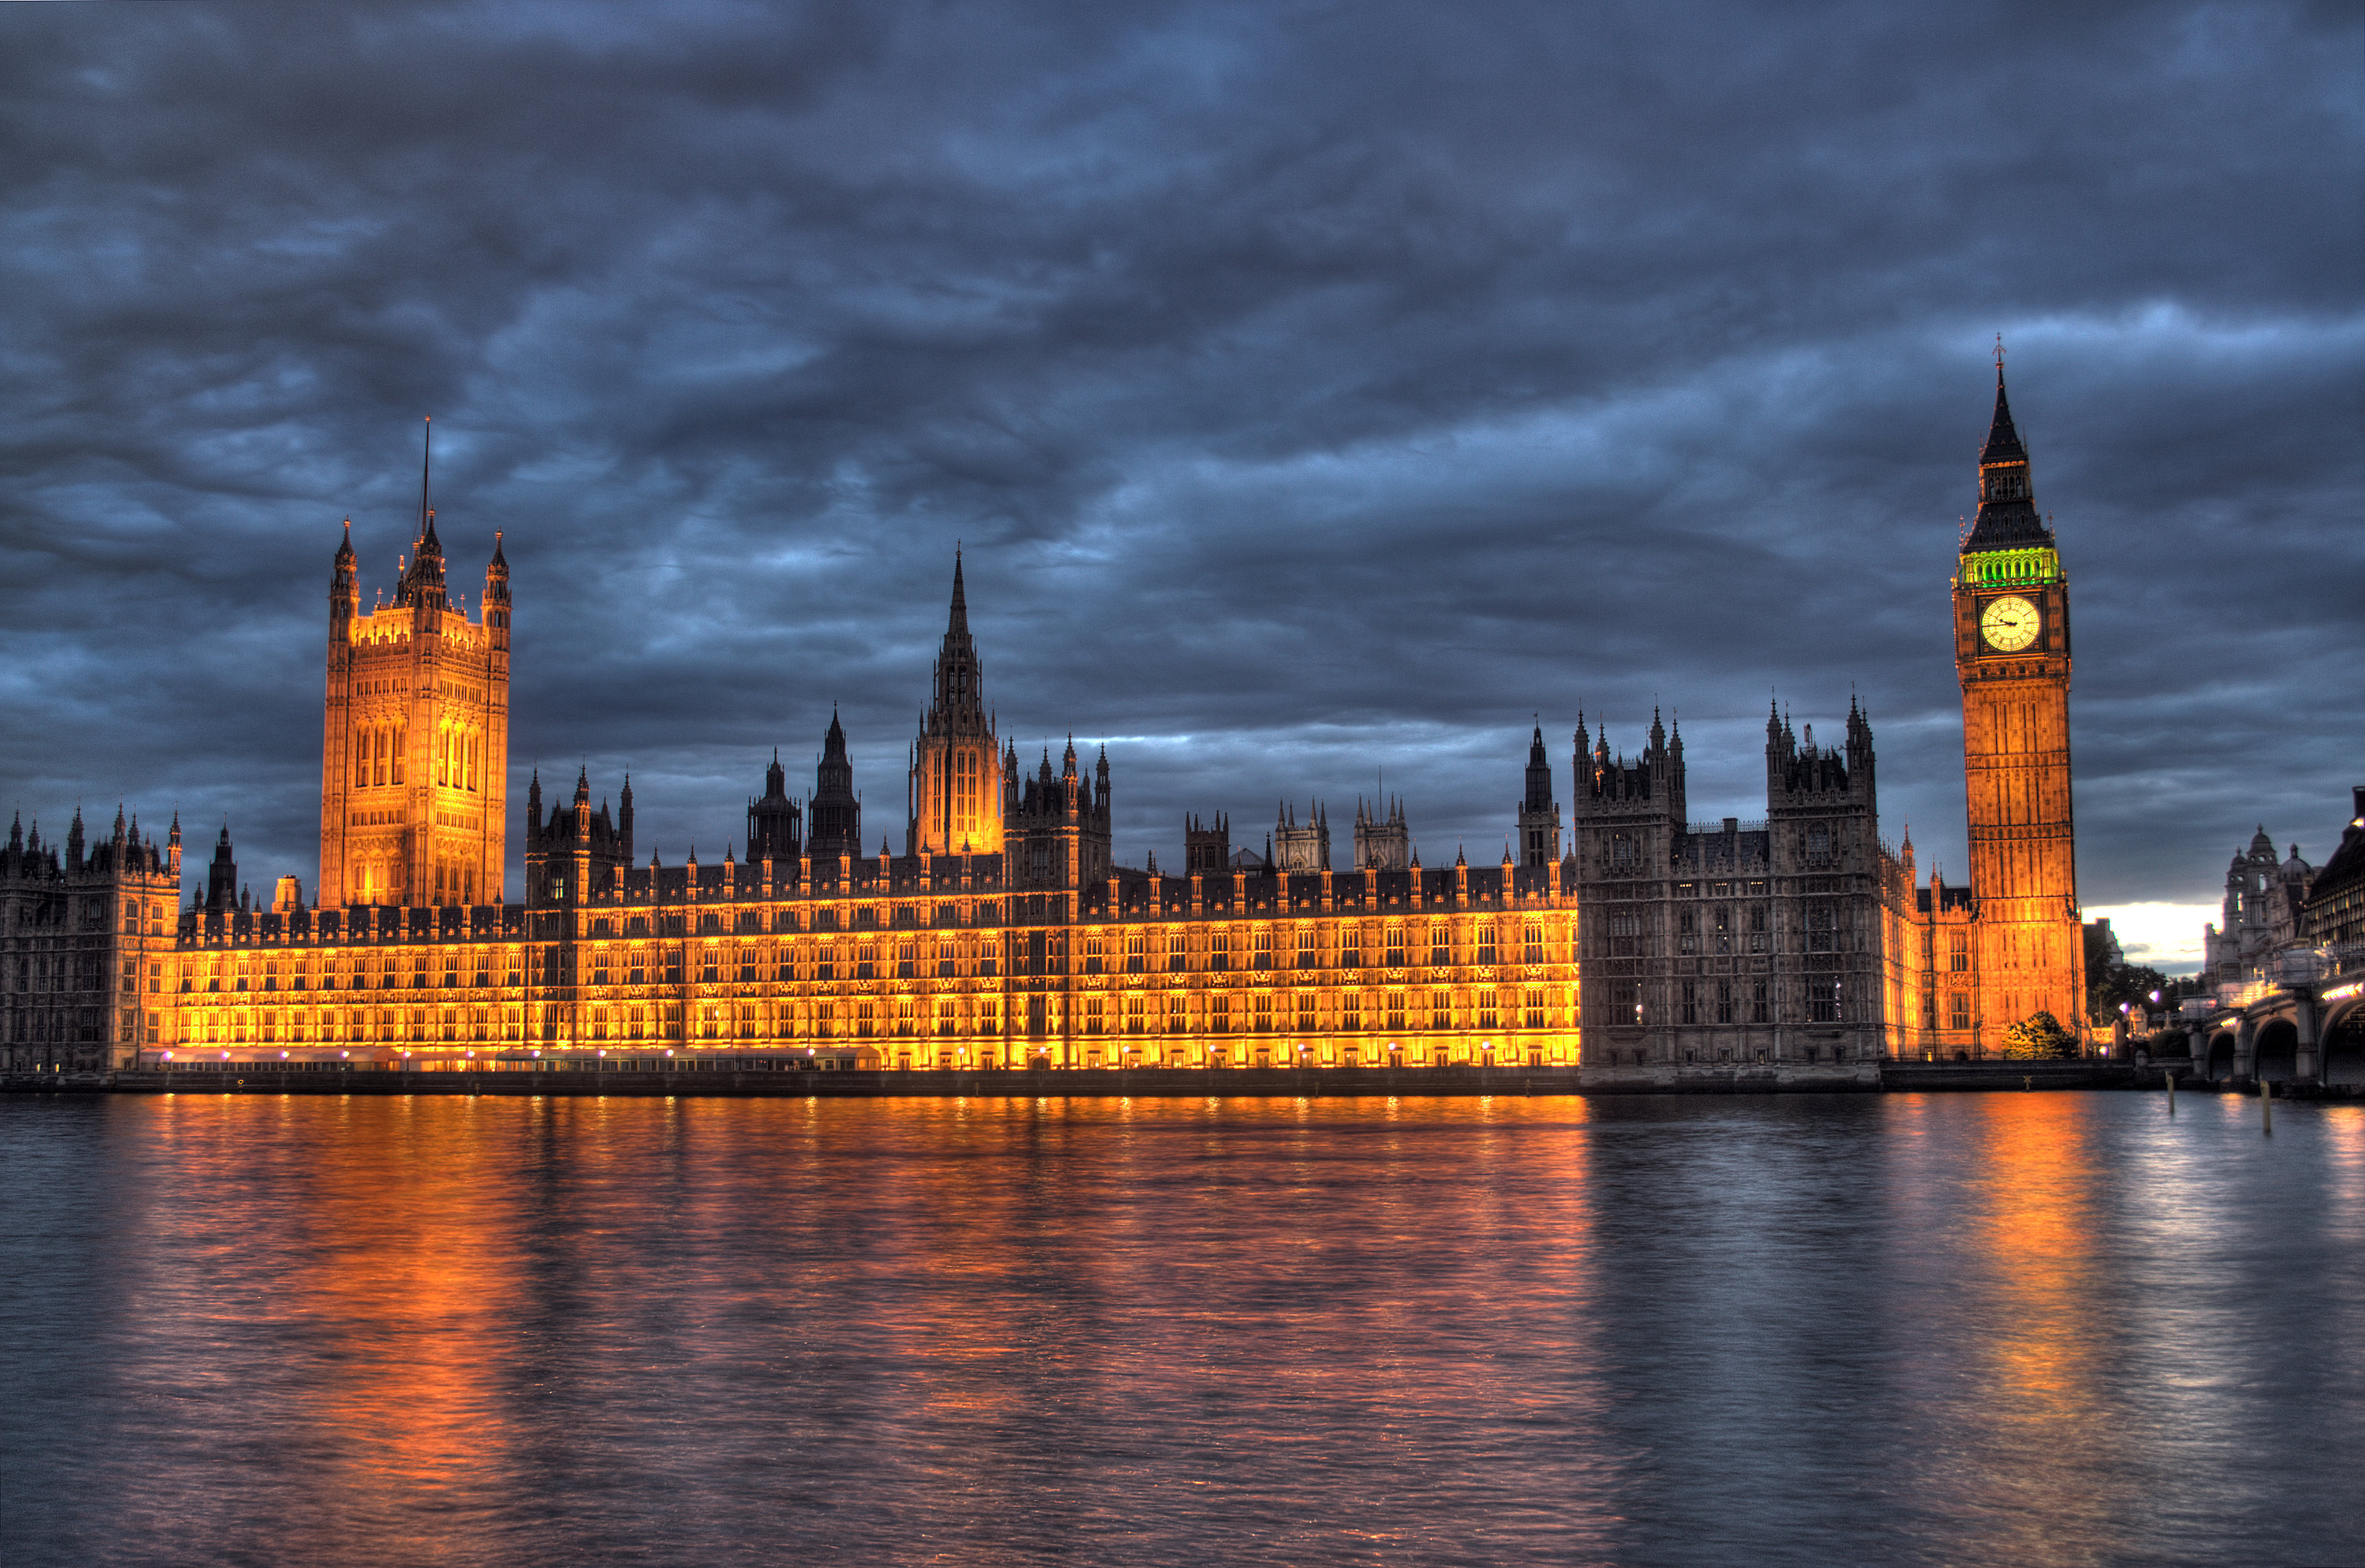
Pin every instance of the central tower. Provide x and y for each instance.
(2012, 651)
(955, 802)
(415, 745)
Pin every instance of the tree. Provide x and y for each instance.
(2039, 1038)
(2105, 989)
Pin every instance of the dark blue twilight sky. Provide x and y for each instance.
(1318, 389)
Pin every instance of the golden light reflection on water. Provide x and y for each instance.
(992, 1330)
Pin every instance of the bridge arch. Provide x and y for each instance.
(2220, 1057)
(2274, 1051)
(2344, 1045)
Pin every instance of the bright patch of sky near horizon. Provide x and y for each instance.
(2164, 937)
(1317, 392)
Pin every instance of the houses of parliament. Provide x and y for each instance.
(1624, 938)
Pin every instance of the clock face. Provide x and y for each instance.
(2009, 623)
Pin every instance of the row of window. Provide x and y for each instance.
(1219, 1013)
(1720, 1002)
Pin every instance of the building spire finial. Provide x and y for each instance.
(426, 494)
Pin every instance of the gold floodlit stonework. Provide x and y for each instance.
(1006, 935)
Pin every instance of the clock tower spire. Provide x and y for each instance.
(2012, 652)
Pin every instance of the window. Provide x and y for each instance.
(1757, 943)
(1486, 1012)
(1818, 846)
(1395, 949)
(1440, 944)
(1350, 946)
(1621, 853)
(1690, 1012)
(709, 966)
(1535, 1010)
(1264, 1013)
(1219, 951)
(1178, 956)
(1137, 948)
(1305, 1013)
(1486, 942)
(1960, 1011)
(1823, 1000)
(1687, 932)
(1093, 1019)
(1725, 1002)
(1625, 936)
(1441, 1010)
(1958, 950)
(1309, 955)
(1092, 954)
(1723, 915)
(1351, 1010)
(1823, 927)
(1759, 1011)
(1534, 935)
(1264, 947)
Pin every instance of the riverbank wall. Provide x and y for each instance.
(1144, 1082)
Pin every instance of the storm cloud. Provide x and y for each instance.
(1317, 392)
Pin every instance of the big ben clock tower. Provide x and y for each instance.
(2011, 650)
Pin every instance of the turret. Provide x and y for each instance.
(775, 827)
(1859, 745)
(835, 821)
(222, 876)
(344, 588)
(1539, 813)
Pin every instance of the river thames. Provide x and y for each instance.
(2007, 1328)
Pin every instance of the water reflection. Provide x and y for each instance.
(1009, 1330)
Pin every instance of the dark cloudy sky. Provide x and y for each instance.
(1318, 389)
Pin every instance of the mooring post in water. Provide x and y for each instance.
(2267, 1107)
(2170, 1076)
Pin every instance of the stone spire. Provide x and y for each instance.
(959, 689)
(2008, 517)
(423, 581)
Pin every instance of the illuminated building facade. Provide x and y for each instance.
(1006, 933)
(1041, 950)
(2012, 652)
(415, 740)
(955, 804)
